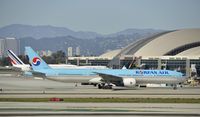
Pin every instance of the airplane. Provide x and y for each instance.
(21, 66)
(105, 78)
(17, 63)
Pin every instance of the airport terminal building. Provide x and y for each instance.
(174, 50)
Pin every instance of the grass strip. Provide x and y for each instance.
(108, 100)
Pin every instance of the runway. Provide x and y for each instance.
(98, 109)
(29, 87)
(22, 87)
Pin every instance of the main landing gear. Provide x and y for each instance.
(104, 86)
(174, 86)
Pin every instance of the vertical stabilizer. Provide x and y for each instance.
(14, 58)
(35, 60)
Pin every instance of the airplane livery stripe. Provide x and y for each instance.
(12, 56)
(13, 59)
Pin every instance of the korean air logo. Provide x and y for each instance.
(36, 61)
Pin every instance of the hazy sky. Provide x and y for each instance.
(102, 16)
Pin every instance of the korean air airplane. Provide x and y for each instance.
(106, 78)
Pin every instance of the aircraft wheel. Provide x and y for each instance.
(174, 87)
(100, 86)
(107, 87)
(95, 85)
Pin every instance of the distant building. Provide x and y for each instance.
(12, 44)
(44, 52)
(9, 44)
(49, 53)
(78, 53)
(69, 51)
(2, 47)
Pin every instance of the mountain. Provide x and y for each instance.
(87, 47)
(37, 32)
(59, 38)
(134, 32)
(47, 31)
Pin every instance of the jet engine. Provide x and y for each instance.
(129, 82)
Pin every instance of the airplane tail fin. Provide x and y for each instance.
(35, 60)
(14, 58)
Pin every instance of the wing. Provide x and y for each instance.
(110, 77)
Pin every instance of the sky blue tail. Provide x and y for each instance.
(35, 60)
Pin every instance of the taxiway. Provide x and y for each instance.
(25, 87)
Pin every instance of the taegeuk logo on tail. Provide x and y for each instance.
(36, 61)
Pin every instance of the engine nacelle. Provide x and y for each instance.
(129, 82)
